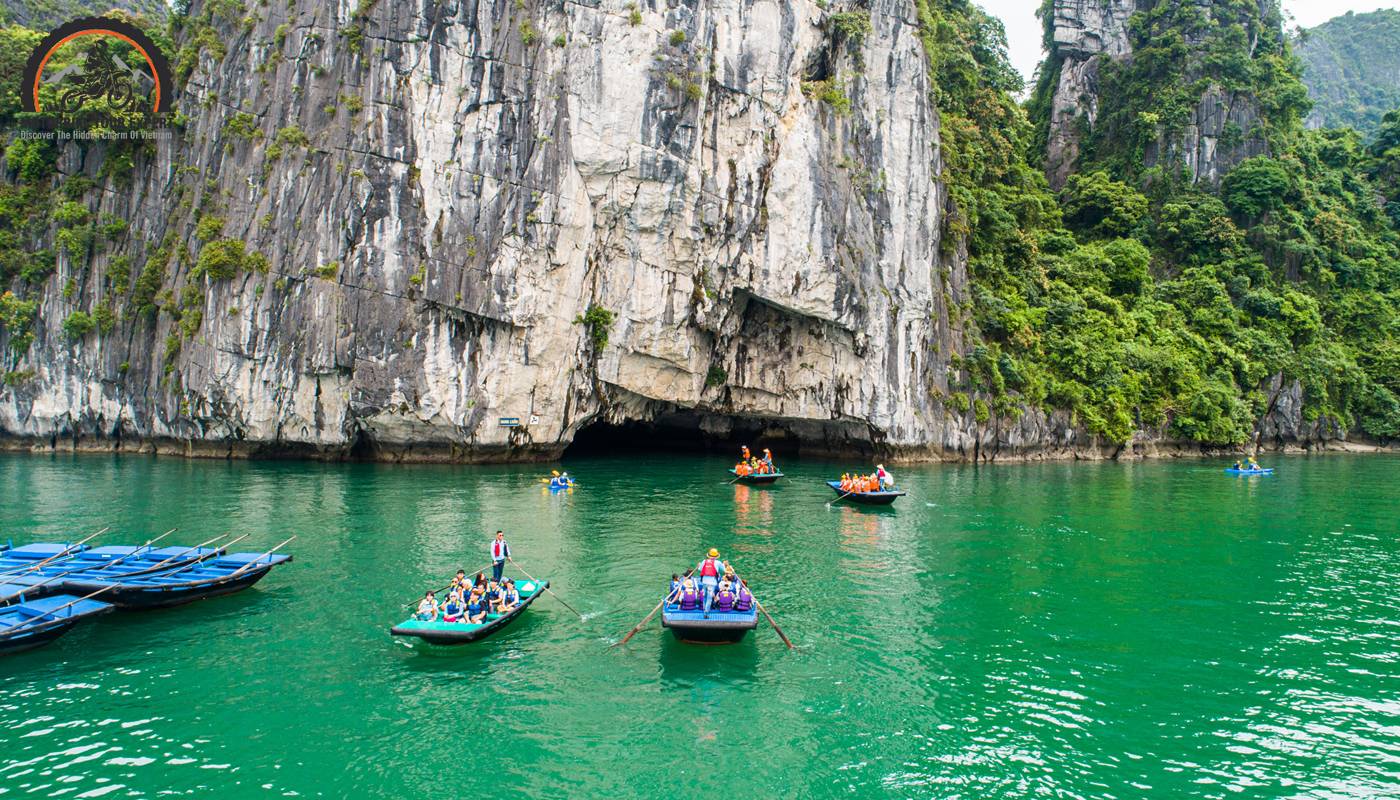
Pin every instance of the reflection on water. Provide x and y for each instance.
(1055, 630)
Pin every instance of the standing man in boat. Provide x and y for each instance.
(500, 551)
(886, 480)
(768, 459)
(709, 570)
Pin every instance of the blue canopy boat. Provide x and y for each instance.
(225, 574)
(439, 632)
(1262, 471)
(28, 625)
(868, 498)
(99, 563)
(756, 479)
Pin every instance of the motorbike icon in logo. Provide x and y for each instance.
(102, 86)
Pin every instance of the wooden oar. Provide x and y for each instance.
(50, 623)
(760, 607)
(545, 586)
(255, 561)
(778, 630)
(70, 550)
(643, 623)
(842, 498)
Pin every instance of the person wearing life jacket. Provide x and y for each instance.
(744, 453)
(768, 459)
(427, 608)
(453, 608)
(500, 552)
(1238, 465)
(1254, 465)
(709, 571)
(743, 598)
(476, 608)
(508, 597)
(724, 598)
(689, 597)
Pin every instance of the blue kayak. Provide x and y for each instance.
(1233, 471)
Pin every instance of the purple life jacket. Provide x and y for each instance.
(745, 600)
(724, 601)
(690, 600)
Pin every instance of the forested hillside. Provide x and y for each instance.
(43, 15)
(1351, 65)
(1155, 298)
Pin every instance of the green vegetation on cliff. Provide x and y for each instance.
(1351, 65)
(1138, 299)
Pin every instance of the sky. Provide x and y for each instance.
(1024, 33)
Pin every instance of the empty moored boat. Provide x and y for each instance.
(868, 498)
(449, 633)
(106, 563)
(209, 578)
(27, 625)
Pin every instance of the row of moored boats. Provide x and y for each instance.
(47, 588)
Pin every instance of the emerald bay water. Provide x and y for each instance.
(1060, 630)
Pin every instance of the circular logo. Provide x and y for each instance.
(103, 82)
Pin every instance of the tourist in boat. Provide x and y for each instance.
(1238, 465)
(479, 582)
(476, 608)
(453, 609)
(724, 598)
(508, 597)
(743, 598)
(744, 455)
(459, 582)
(709, 570)
(427, 608)
(689, 598)
(768, 459)
(1254, 465)
(500, 552)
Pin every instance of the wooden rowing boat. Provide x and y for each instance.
(867, 498)
(756, 479)
(452, 633)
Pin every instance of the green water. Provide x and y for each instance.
(1062, 630)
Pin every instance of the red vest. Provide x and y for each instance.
(709, 568)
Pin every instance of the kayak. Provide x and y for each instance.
(439, 632)
(1233, 471)
(868, 498)
(757, 479)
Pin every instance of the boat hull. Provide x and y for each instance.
(1232, 471)
(450, 633)
(757, 480)
(867, 498)
(721, 627)
(35, 623)
(30, 641)
(137, 597)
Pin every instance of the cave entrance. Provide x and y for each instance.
(698, 432)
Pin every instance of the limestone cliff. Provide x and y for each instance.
(443, 191)
(1173, 43)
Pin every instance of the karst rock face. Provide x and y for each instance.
(1221, 130)
(476, 178)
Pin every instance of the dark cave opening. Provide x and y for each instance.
(689, 431)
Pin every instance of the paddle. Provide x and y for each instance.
(644, 621)
(545, 586)
(839, 499)
(68, 551)
(255, 561)
(760, 607)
